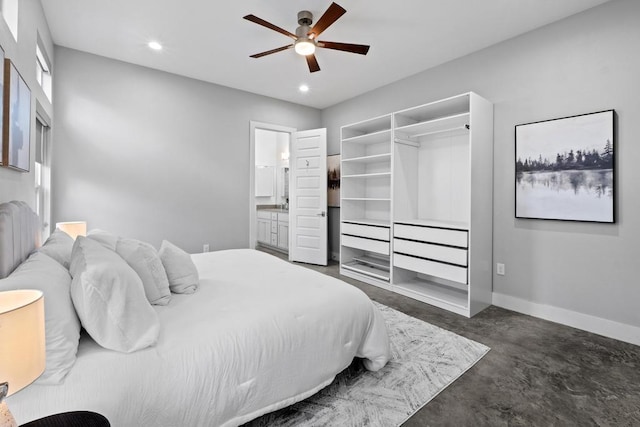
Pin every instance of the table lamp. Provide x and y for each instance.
(73, 228)
(22, 344)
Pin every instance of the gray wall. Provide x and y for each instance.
(152, 155)
(185, 173)
(31, 22)
(583, 64)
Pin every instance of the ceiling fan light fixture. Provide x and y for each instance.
(305, 47)
(306, 36)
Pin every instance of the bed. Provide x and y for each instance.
(258, 335)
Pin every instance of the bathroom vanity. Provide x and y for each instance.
(273, 228)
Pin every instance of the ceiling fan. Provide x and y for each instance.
(306, 36)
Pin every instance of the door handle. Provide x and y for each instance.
(322, 214)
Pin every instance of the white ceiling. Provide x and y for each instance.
(208, 40)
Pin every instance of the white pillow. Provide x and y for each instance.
(144, 259)
(62, 327)
(106, 239)
(181, 271)
(109, 299)
(58, 246)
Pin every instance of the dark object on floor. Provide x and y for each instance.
(71, 419)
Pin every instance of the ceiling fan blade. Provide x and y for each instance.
(362, 49)
(269, 52)
(269, 25)
(312, 62)
(331, 15)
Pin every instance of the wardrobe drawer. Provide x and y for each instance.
(441, 236)
(274, 239)
(432, 268)
(274, 226)
(432, 252)
(380, 233)
(274, 216)
(366, 244)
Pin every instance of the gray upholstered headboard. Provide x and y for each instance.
(19, 235)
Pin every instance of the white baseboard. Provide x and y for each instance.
(586, 322)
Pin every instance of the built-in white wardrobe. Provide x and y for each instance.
(416, 207)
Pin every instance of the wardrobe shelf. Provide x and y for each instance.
(379, 263)
(369, 138)
(367, 269)
(432, 111)
(454, 225)
(368, 175)
(368, 199)
(376, 158)
(367, 221)
(370, 128)
(446, 297)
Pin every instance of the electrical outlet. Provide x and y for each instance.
(500, 269)
(205, 247)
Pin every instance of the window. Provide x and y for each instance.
(9, 10)
(43, 177)
(43, 70)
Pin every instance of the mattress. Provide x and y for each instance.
(258, 335)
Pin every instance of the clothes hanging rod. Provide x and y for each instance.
(466, 126)
(417, 135)
(405, 142)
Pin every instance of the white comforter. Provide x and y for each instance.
(259, 335)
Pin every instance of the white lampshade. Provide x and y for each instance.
(73, 228)
(22, 339)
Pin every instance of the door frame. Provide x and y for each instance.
(253, 126)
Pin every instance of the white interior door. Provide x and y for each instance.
(308, 197)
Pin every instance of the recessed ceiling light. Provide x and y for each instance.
(155, 45)
(303, 88)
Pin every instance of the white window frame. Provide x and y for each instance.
(43, 70)
(9, 11)
(43, 176)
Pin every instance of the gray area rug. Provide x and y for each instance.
(425, 359)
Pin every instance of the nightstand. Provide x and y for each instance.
(71, 419)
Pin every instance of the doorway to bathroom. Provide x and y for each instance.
(288, 191)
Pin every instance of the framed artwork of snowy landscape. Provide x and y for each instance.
(565, 168)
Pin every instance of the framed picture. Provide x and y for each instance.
(333, 181)
(565, 168)
(16, 120)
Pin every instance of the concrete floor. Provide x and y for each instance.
(538, 373)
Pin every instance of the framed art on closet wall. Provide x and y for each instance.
(16, 120)
(565, 168)
(333, 181)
